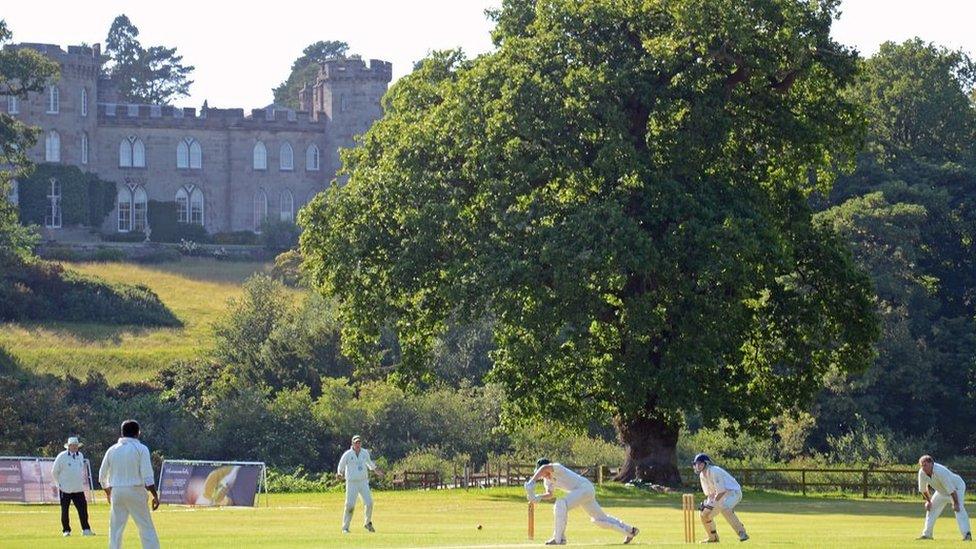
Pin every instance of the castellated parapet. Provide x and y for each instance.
(235, 168)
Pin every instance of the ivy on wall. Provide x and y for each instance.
(85, 199)
(165, 228)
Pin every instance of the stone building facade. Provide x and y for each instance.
(224, 169)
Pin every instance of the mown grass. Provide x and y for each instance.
(195, 289)
(450, 518)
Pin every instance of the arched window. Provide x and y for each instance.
(312, 158)
(84, 101)
(182, 154)
(132, 153)
(260, 156)
(196, 155)
(286, 157)
(13, 104)
(125, 210)
(182, 206)
(196, 206)
(287, 206)
(189, 154)
(84, 148)
(52, 147)
(53, 100)
(260, 209)
(139, 216)
(52, 216)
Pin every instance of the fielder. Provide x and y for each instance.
(722, 493)
(948, 486)
(355, 466)
(581, 493)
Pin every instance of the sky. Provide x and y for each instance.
(241, 53)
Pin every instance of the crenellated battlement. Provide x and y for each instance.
(165, 116)
(86, 56)
(355, 68)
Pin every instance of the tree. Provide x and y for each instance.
(21, 71)
(154, 75)
(305, 69)
(622, 188)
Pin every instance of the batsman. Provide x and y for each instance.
(722, 494)
(580, 493)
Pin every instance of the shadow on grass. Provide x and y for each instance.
(209, 270)
(89, 332)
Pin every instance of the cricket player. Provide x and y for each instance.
(355, 466)
(580, 493)
(947, 486)
(722, 494)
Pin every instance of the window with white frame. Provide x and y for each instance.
(139, 210)
(125, 210)
(260, 209)
(110, 109)
(287, 203)
(132, 153)
(286, 157)
(260, 156)
(182, 206)
(52, 147)
(155, 111)
(84, 148)
(52, 216)
(133, 111)
(312, 158)
(196, 207)
(84, 101)
(53, 100)
(189, 154)
(13, 104)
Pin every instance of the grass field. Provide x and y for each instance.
(450, 519)
(196, 290)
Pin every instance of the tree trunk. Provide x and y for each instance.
(651, 451)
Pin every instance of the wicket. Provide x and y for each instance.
(688, 510)
(531, 520)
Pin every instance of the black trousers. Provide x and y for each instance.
(80, 503)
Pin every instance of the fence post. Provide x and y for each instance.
(864, 483)
(803, 481)
(599, 475)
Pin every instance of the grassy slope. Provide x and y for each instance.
(196, 290)
(450, 519)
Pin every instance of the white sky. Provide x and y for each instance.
(240, 52)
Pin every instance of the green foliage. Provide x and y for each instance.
(622, 188)
(570, 446)
(39, 290)
(299, 481)
(278, 236)
(164, 226)
(154, 75)
(432, 459)
(288, 268)
(305, 70)
(85, 199)
(237, 238)
(131, 236)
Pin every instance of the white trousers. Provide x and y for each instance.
(584, 497)
(131, 501)
(356, 488)
(939, 501)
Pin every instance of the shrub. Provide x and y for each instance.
(134, 236)
(299, 481)
(287, 268)
(236, 238)
(279, 235)
(85, 199)
(109, 254)
(165, 228)
(433, 459)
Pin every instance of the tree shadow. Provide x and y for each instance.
(88, 332)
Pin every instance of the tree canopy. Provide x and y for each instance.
(622, 187)
(154, 75)
(305, 69)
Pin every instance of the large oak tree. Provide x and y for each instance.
(621, 189)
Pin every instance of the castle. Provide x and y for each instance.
(224, 170)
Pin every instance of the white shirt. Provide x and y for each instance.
(565, 479)
(355, 467)
(942, 480)
(126, 463)
(715, 480)
(69, 472)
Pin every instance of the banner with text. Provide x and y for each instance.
(210, 483)
(29, 480)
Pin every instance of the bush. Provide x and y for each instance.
(299, 481)
(288, 268)
(109, 254)
(163, 226)
(236, 238)
(62, 253)
(279, 235)
(134, 236)
(85, 199)
(433, 459)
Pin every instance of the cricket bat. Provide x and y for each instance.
(531, 520)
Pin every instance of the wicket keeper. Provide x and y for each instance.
(722, 494)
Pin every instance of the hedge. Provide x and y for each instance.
(163, 226)
(85, 199)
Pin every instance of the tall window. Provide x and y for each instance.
(52, 217)
(139, 218)
(182, 206)
(189, 154)
(287, 206)
(52, 147)
(13, 104)
(286, 157)
(196, 207)
(125, 210)
(260, 209)
(84, 148)
(132, 153)
(260, 156)
(53, 100)
(84, 101)
(312, 158)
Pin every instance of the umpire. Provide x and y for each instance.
(69, 476)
